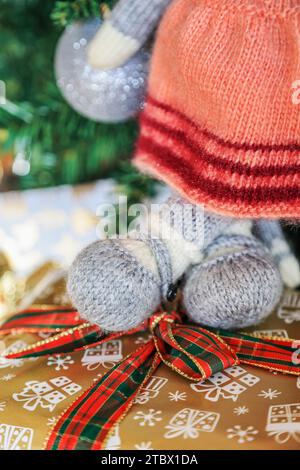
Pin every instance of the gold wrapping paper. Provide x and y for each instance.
(240, 408)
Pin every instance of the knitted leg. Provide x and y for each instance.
(125, 31)
(271, 234)
(237, 284)
(119, 283)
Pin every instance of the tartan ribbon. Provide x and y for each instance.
(42, 318)
(190, 350)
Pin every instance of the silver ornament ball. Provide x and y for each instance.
(101, 95)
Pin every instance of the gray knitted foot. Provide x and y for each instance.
(119, 283)
(111, 288)
(271, 234)
(236, 286)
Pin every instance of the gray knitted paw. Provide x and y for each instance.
(111, 288)
(231, 291)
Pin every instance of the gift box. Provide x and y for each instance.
(51, 223)
(52, 401)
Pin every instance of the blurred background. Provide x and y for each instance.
(67, 134)
(44, 141)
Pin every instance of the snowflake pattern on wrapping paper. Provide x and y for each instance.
(144, 446)
(177, 396)
(270, 394)
(188, 423)
(150, 418)
(51, 421)
(241, 410)
(60, 362)
(7, 377)
(2, 405)
(242, 435)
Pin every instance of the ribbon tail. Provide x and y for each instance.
(42, 319)
(264, 353)
(71, 340)
(89, 421)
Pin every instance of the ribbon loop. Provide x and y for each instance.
(190, 350)
(195, 353)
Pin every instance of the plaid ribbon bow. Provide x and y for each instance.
(190, 350)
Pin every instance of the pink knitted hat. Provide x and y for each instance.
(222, 121)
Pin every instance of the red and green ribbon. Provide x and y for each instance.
(42, 318)
(190, 350)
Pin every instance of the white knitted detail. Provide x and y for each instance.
(182, 252)
(110, 48)
(142, 252)
(241, 227)
(290, 271)
(288, 263)
(279, 247)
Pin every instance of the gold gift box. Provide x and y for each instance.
(240, 408)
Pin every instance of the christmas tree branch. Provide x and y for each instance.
(68, 11)
(61, 146)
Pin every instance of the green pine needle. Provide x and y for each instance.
(62, 146)
(68, 11)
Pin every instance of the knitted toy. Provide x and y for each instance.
(220, 128)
